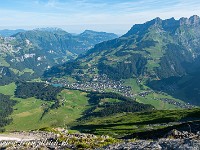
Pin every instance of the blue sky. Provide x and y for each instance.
(102, 15)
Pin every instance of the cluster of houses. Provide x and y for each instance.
(167, 100)
(145, 93)
(100, 83)
(176, 103)
(5, 45)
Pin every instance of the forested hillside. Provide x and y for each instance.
(6, 109)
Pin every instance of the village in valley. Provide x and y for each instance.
(101, 83)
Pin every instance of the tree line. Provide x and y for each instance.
(6, 108)
(39, 90)
(126, 104)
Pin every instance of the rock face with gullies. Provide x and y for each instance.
(194, 20)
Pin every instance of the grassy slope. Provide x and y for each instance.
(8, 89)
(26, 70)
(26, 115)
(150, 99)
(158, 104)
(133, 84)
(74, 104)
(127, 123)
(27, 112)
(3, 62)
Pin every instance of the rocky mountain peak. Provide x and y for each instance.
(183, 21)
(195, 20)
(157, 20)
(48, 29)
(89, 31)
(168, 24)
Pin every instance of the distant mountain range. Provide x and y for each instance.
(162, 54)
(28, 53)
(59, 40)
(7, 32)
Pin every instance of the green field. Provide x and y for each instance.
(26, 70)
(27, 113)
(152, 99)
(8, 89)
(3, 62)
(133, 84)
(158, 104)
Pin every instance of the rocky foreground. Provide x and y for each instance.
(62, 140)
(175, 140)
(161, 144)
(50, 140)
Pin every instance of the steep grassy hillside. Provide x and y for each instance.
(38, 105)
(124, 124)
(28, 112)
